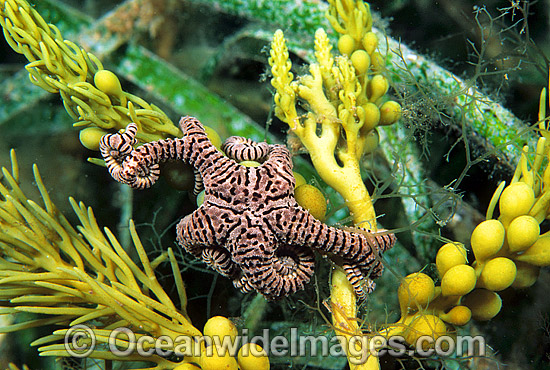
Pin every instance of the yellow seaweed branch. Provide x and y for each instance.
(74, 277)
(343, 100)
(346, 326)
(92, 96)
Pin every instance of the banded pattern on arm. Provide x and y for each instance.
(274, 274)
(139, 168)
(243, 149)
(359, 247)
(360, 250)
(361, 282)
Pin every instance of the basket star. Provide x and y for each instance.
(249, 227)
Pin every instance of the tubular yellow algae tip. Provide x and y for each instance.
(12, 366)
(285, 96)
(92, 96)
(180, 286)
(350, 17)
(344, 318)
(50, 268)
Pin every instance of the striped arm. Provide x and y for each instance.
(361, 283)
(243, 149)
